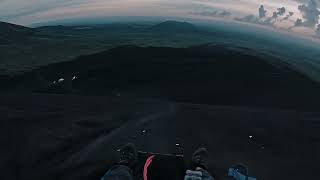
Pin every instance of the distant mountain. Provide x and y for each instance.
(167, 26)
(12, 32)
(173, 26)
(98, 28)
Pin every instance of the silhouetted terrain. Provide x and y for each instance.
(10, 33)
(23, 49)
(29, 48)
(174, 27)
(207, 74)
(80, 94)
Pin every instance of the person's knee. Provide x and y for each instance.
(118, 172)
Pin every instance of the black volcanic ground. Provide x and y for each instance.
(208, 74)
(212, 96)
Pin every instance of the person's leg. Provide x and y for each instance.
(122, 171)
(206, 175)
(198, 174)
(118, 172)
(199, 166)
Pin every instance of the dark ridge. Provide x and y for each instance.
(8, 27)
(173, 26)
(210, 74)
(12, 32)
(91, 28)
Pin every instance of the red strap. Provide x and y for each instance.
(146, 165)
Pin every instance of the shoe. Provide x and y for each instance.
(200, 158)
(128, 155)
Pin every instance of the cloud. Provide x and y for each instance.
(318, 30)
(28, 12)
(262, 12)
(12, 9)
(281, 11)
(274, 15)
(310, 13)
(250, 18)
(263, 19)
(298, 22)
(215, 13)
(225, 13)
(288, 16)
(306, 1)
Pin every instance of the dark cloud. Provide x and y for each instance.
(262, 12)
(310, 13)
(281, 11)
(298, 22)
(288, 16)
(274, 15)
(215, 13)
(306, 1)
(250, 18)
(263, 19)
(255, 20)
(225, 13)
(318, 30)
(269, 20)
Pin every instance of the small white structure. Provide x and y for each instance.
(60, 80)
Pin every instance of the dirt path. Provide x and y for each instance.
(75, 137)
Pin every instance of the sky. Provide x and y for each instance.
(301, 16)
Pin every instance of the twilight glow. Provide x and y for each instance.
(35, 11)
